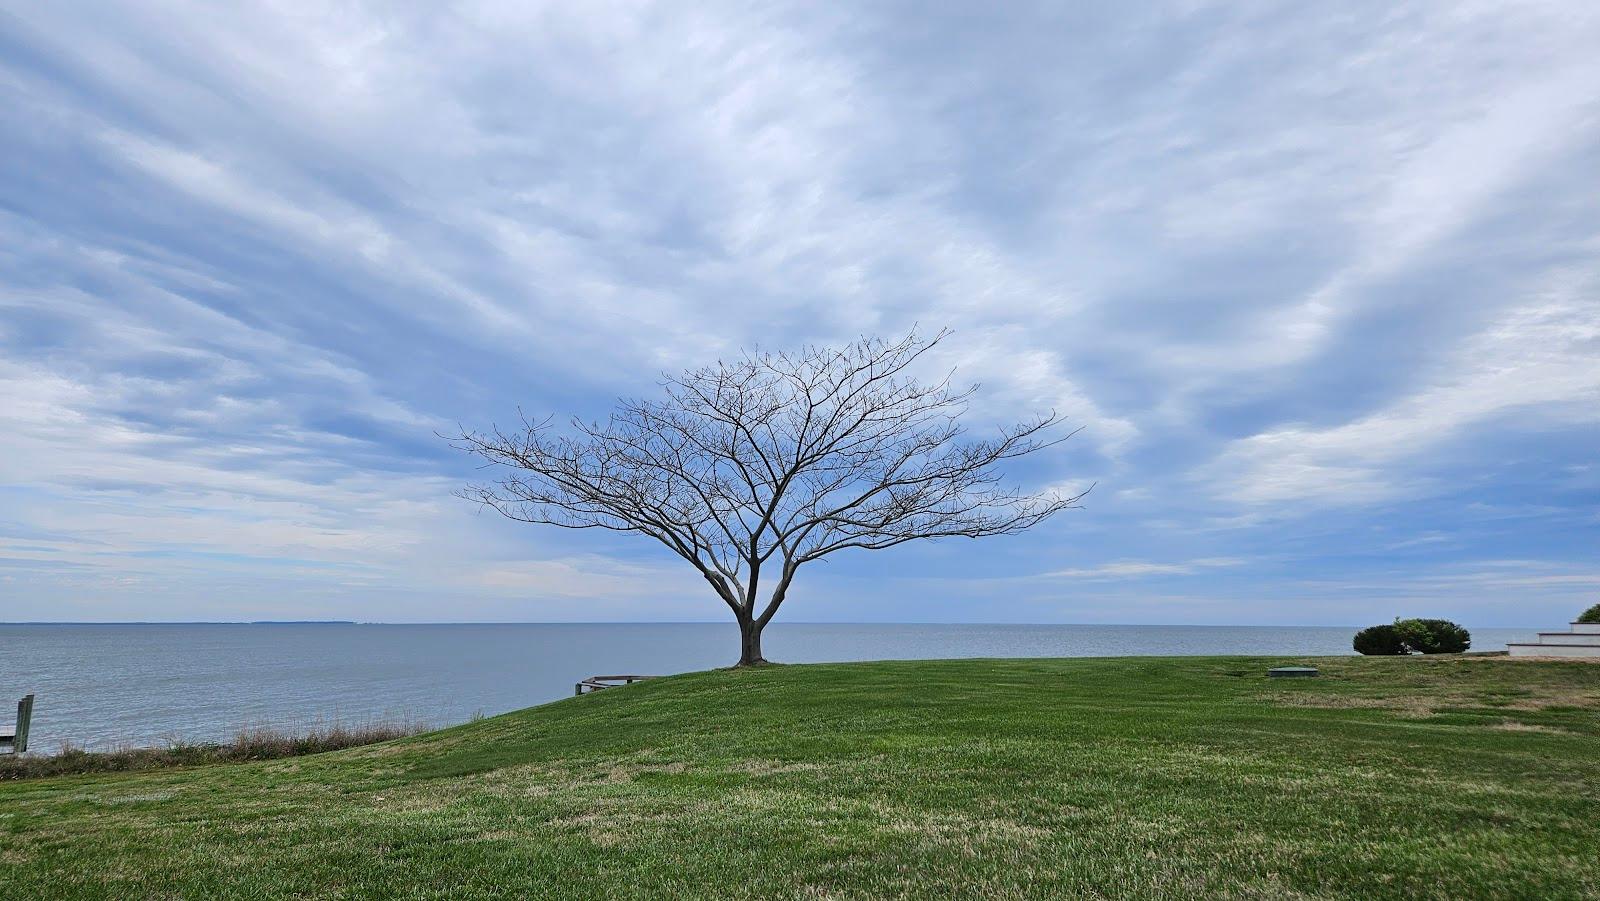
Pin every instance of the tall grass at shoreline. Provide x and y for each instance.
(248, 743)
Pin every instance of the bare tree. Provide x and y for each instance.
(749, 469)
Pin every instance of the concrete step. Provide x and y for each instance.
(1587, 628)
(1569, 638)
(1526, 649)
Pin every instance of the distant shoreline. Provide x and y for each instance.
(685, 622)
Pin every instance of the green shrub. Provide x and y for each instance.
(1379, 641)
(1592, 615)
(1433, 636)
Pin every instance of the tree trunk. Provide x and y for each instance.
(750, 643)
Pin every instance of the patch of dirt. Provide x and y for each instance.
(1515, 726)
(140, 798)
(628, 772)
(1406, 706)
(764, 767)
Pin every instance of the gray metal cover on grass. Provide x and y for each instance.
(1289, 672)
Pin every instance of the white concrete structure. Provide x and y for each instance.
(1582, 641)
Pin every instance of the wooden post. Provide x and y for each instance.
(24, 715)
(18, 742)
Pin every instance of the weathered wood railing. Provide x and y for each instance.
(18, 741)
(595, 683)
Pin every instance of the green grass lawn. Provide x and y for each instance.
(1131, 777)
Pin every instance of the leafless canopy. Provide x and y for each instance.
(751, 468)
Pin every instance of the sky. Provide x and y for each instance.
(1320, 283)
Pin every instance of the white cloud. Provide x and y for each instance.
(257, 256)
(1539, 357)
(1137, 569)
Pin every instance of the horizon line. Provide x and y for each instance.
(347, 622)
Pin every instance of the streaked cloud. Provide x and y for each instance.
(1134, 569)
(1319, 284)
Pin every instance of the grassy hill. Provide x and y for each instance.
(1132, 777)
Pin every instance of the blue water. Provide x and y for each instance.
(100, 686)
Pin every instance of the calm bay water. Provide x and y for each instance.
(103, 685)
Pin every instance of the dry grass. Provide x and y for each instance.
(254, 743)
(1404, 706)
(1443, 685)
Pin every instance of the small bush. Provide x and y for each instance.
(1592, 615)
(1377, 641)
(1433, 636)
